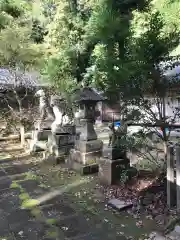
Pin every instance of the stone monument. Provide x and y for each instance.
(88, 148)
(63, 130)
(114, 158)
(42, 126)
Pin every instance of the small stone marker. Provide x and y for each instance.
(177, 229)
(120, 205)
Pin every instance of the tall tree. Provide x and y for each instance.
(68, 57)
(18, 52)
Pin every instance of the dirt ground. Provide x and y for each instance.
(83, 194)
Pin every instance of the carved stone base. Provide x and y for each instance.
(66, 129)
(84, 169)
(88, 146)
(61, 139)
(110, 170)
(85, 163)
(39, 141)
(84, 157)
(61, 151)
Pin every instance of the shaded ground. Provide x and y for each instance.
(42, 201)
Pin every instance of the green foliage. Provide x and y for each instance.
(30, 203)
(16, 49)
(114, 47)
(128, 174)
(13, 8)
(14, 185)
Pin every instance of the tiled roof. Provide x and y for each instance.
(9, 79)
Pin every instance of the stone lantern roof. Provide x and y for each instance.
(87, 94)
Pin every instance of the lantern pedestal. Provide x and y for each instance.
(112, 164)
(87, 149)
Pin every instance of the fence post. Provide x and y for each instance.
(178, 177)
(170, 175)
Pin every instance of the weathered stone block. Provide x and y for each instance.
(84, 157)
(87, 132)
(110, 170)
(61, 139)
(83, 169)
(67, 129)
(60, 151)
(89, 146)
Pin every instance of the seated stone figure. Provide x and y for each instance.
(46, 111)
(117, 133)
(58, 105)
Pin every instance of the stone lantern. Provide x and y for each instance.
(88, 148)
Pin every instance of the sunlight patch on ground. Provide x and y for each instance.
(60, 191)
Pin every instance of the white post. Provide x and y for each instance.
(178, 177)
(170, 175)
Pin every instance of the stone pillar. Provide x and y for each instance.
(111, 165)
(114, 158)
(42, 127)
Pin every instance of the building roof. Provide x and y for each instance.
(8, 79)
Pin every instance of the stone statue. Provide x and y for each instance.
(58, 105)
(46, 111)
(118, 133)
(112, 134)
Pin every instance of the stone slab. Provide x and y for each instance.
(119, 205)
(89, 146)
